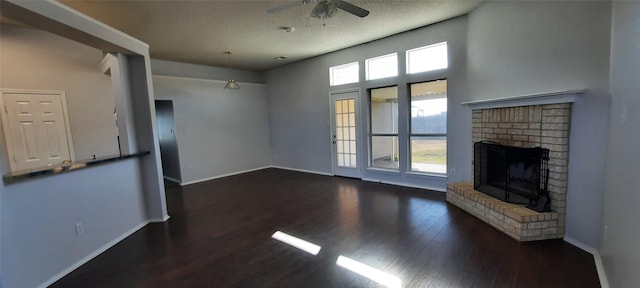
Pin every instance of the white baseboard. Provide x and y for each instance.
(439, 189)
(172, 180)
(156, 220)
(602, 275)
(222, 176)
(302, 170)
(94, 254)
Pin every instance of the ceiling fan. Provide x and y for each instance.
(324, 9)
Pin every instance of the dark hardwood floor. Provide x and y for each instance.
(219, 235)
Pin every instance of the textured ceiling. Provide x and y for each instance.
(200, 31)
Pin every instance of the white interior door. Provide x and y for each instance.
(36, 129)
(344, 134)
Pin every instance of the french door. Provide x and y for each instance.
(345, 140)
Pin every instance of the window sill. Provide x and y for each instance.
(385, 170)
(428, 174)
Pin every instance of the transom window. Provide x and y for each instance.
(427, 58)
(382, 67)
(344, 74)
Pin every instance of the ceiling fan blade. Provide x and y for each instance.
(353, 9)
(288, 5)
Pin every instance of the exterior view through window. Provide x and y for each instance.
(384, 128)
(428, 137)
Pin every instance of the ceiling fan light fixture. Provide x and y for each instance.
(324, 9)
(231, 83)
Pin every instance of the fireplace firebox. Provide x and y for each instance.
(512, 174)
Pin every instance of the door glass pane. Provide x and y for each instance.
(346, 142)
(384, 110)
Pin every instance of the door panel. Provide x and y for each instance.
(344, 111)
(36, 129)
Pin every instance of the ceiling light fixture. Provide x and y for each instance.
(279, 58)
(231, 84)
(287, 29)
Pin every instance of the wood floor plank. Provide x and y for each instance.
(219, 235)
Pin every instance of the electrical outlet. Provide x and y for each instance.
(452, 172)
(623, 114)
(79, 228)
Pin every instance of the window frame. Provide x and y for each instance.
(371, 134)
(411, 134)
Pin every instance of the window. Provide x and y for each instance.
(384, 128)
(344, 74)
(382, 67)
(427, 58)
(428, 137)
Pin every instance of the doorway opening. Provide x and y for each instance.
(168, 141)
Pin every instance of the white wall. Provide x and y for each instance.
(38, 60)
(219, 131)
(620, 253)
(299, 104)
(520, 47)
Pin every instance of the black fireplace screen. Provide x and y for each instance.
(512, 174)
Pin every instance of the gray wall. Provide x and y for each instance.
(38, 223)
(299, 104)
(518, 48)
(219, 131)
(38, 60)
(620, 253)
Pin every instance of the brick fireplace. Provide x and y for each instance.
(522, 124)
